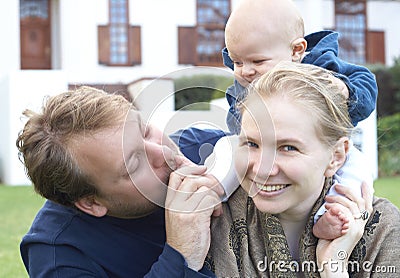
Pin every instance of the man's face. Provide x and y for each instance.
(128, 164)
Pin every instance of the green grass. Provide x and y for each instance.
(388, 188)
(19, 204)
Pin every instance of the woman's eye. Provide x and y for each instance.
(251, 144)
(289, 148)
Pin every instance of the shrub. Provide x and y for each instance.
(389, 145)
(195, 92)
(388, 80)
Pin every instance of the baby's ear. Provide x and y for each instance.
(299, 47)
(91, 206)
(339, 152)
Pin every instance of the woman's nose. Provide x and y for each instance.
(265, 165)
(274, 169)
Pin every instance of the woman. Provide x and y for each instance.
(286, 159)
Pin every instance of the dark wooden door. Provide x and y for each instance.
(35, 33)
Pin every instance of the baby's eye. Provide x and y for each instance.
(259, 61)
(289, 148)
(237, 63)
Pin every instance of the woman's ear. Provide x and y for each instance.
(339, 152)
(91, 206)
(299, 47)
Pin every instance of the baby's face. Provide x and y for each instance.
(253, 56)
(257, 51)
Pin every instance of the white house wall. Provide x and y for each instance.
(78, 35)
(29, 88)
(381, 16)
(158, 20)
(385, 16)
(9, 32)
(75, 52)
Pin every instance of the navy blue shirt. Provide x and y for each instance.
(197, 144)
(64, 242)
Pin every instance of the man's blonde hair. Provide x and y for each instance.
(45, 142)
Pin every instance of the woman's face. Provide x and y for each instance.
(280, 157)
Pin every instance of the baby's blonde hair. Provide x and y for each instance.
(266, 15)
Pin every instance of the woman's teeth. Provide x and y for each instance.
(270, 188)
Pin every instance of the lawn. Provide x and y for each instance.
(19, 204)
(388, 188)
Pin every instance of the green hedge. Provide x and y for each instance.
(389, 145)
(196, 91)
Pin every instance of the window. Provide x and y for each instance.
(358, 44)
(376, 47)
(351, 23)
(202, 44)
(38, 9)
(119, 43)
(118, 32)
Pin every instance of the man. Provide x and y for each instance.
(104, 174)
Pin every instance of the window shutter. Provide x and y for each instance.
(376, 47)
(134, 46)
(187, 41)
(103, 36)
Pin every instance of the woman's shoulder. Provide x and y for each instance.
(384, 205)
(379, 247)
(385, 215)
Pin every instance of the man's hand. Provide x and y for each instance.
(189, 205)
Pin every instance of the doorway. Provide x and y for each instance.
(35, 34)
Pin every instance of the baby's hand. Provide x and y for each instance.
(332, 224)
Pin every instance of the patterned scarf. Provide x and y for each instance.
(256, 245)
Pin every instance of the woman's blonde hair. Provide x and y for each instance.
(45, 142)
(313, 88)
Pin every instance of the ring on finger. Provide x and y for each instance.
(364, 215)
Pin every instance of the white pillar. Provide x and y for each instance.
(22, 90)
(9, 30)
(365, 137)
